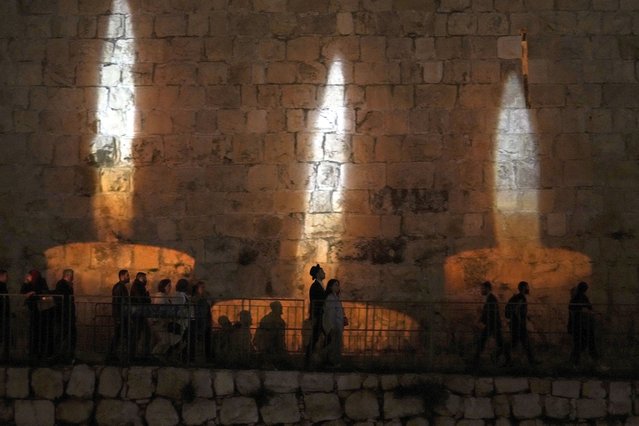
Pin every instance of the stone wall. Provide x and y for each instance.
(386, 139)
(172, 396)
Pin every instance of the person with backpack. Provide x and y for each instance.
(491, 324)
(516, 312)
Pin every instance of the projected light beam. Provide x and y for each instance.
(111, 147)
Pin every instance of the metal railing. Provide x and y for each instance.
(437, 336)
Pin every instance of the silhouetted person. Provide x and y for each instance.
(316, 295)
(41, 314)
(333, 323)
(222, 338)
(186, 317)
(5, 316)
(241, 342)
(166, 331)
(270, 336)
(66, 315)
(581, 324)
(492, 323)
(120, 310)
(140, 300)
(203, 319)
(517, 314)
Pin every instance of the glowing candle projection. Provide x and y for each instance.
(115, 128)
(111, 152)
(519, 253)
(331, 147)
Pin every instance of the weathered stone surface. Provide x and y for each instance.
(322, 407)
(161, 412)
(317, 382)
(47, 383)
(281, 381)
(371, 382)
(402, 407)
(171, 382)
(202, 383)
(111, 412)
(17, 382)
(501, 404)
(281, 408)
(417, 421)
(139, 383)
(238, 410)
(591, 408)
(73, 411)
(526, 406)
(511, 384)
(593, 389)
(478, 408)
(540, 386)
(34, 413)
(110, 382)
(453, 406)
(619, 398)
(198, 411)
(247, 382)
(484, 386)
(6, 411)
(556, 408)
(82, 382)
(566, 388)
(223, 383)
(389, 381)
(362, 405)
(462, 385)
(351, 381)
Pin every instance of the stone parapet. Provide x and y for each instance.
(207, 397)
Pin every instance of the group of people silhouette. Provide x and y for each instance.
(581, 324)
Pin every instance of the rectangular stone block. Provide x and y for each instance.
(363, 176)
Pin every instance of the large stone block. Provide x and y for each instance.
(47, 383)
(223, 382)
(17, 382)
(247, 382)
(478, 408)
(594, 389)
(566, 388)
(34, 413)
(139, 383)
(556, 408)
(322, 407)
(161, 412)
(171, 382)
(591, 408)
(198, 412)
(526, 406)
(362, 405)
(619, 399)
(281, 381)
(74, 411)
(462, 385)
(201, 380)
(82, 382)
(402, 407)
(282, 408)
(110, 382)
(238, 410)
(317, 382)
(111, 412)
(511, 384)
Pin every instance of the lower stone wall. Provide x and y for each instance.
(160, 396)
